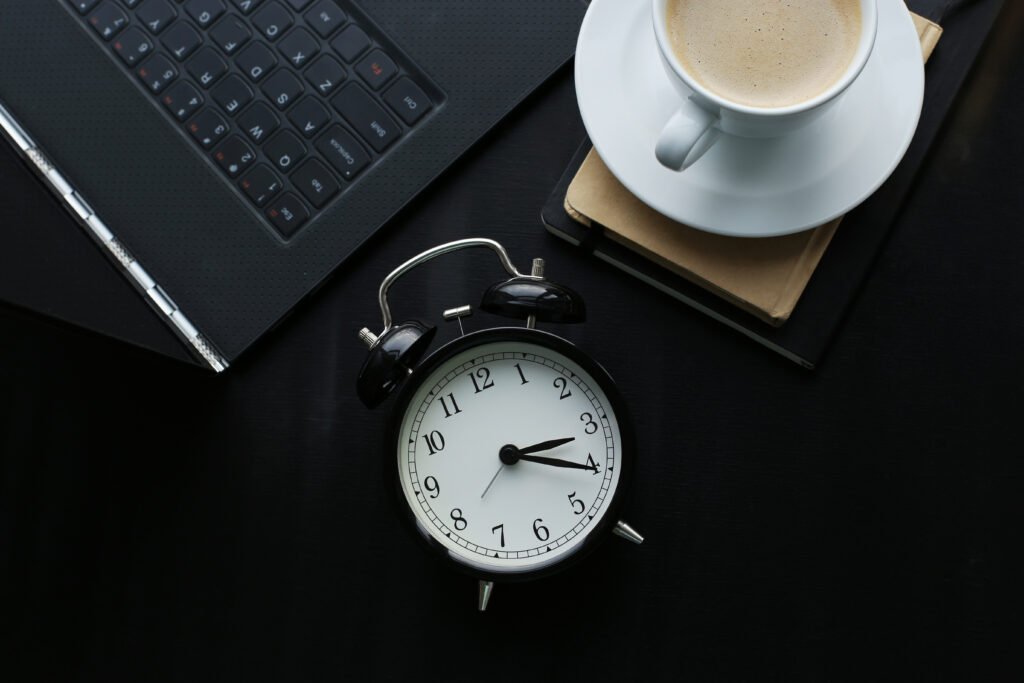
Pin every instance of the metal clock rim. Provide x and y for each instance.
(604, 527)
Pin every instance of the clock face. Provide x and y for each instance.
(509, 454)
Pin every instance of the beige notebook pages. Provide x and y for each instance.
(763, 276)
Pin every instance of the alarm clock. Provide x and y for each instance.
(509, 448)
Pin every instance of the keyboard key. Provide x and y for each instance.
(208, 128)
(130, 4)
(309, 116)
(83, 6)
(256, 61)
(376, 69)
(156, 14)
(367, 117)
(232, 94)
(351, 43)
(287, 213)
(234, 156)
(325, 17)
(407, 100)
(285, 150)
(258, 122)
(325, 75)
(182, 40)
(282, 88)
(108, 20)
(205, 12)
(316, 183)
(206, 67)
(157, 72)
(299, 5)
(133, 46)
(182, 100)
(230, 34)
(261, 185)
(298, 47)
(246, 6)
(272, 21)
(343, 152)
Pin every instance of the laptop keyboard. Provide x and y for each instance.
(292, 99)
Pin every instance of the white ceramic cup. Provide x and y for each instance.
(695, 128)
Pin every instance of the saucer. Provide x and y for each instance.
(747, 187)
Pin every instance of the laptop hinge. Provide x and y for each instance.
(92, 223)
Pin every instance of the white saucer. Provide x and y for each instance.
(742, 187)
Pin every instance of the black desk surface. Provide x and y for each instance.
(161, 523)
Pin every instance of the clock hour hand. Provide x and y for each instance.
(555, 462)
(544, 446)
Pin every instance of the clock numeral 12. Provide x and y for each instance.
(435, 442)
(485, 379)
(455, 409)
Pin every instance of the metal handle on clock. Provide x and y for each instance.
(419, 259)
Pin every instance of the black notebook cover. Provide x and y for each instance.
(847, 262)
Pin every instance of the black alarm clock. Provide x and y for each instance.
(511, 448)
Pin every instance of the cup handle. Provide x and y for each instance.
(686, 137)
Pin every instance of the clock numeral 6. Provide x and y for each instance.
(574, 501)
(540, 531)
(460, 522)
(431, 485)
(562, 384)
(435, 442)
(591, 425)
(501, 528)
(485, 379)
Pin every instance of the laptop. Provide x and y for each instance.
(228, 155)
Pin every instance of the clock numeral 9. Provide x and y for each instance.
(435, 442)
(561, 383)
(455, 409)
(574, 501)
(591, 425)
(500, 527)
(485, 379)
(460, 522)
(540, 531)
(431, 485)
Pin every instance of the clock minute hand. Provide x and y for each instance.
(555, 462)
(544, 446)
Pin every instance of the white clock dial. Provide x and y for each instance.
(515, 517)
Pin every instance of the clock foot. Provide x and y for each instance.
(484, 594)
(627, 532)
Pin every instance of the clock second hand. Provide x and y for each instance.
(500, 468)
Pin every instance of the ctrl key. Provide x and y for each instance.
(287, 213)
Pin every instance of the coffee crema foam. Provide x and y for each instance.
(765, 53)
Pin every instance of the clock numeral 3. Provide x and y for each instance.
(455, 409)
(435, 442)
(561, 383)
(501, 528)
(431, 485)
(485, 382)
(592, 463)
(591, 425)
(521, 375)
(574, 501)
(540, 531)
(460, 522)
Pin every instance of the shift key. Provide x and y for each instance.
(343, 152)
(367, 117)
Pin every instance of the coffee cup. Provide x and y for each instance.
(716, 98)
